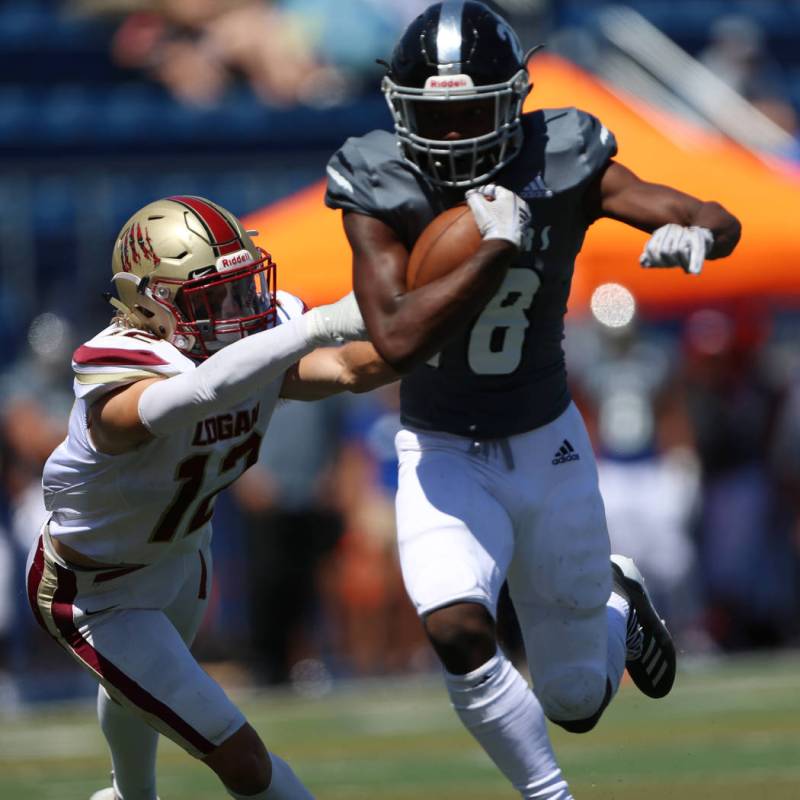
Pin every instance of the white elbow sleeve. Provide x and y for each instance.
(227, 378)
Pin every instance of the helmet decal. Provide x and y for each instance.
(146, 245)
(124, 255)
(132, 243)
(129, 254)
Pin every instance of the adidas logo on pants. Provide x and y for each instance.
(565, 453)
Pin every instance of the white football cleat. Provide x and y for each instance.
(105, 794)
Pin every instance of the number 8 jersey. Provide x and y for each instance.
(134, 508)
(505, 374)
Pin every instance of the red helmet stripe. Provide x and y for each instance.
(225, 236)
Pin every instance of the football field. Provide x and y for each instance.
(729, 731)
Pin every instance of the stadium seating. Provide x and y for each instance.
(80, 135)
(688, 23)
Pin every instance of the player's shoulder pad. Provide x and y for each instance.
(289, 306)
(576, 145)
(118, 356)
(367, 174)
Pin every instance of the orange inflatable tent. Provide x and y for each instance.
(307, 241)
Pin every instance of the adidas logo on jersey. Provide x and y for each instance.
(536, 188)
(565, 453)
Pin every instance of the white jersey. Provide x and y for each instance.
(134, 508)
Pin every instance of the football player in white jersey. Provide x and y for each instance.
(172, 403)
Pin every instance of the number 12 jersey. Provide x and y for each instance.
(134, 508)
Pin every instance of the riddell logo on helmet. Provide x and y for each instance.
(449, 82)
(234, 260)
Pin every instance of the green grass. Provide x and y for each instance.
(729, 731)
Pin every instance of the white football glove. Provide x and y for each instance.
(336, 323)
(674, 245)
(499, 213)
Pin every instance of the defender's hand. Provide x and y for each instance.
(337, 322)
(499, 213)
(674, 245)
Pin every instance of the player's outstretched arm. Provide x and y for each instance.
(407, 327)
(355, 367)
(685, 230)
(124, 419)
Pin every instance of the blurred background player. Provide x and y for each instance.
(172, 403)
(292, 524)
(497, 476)
(626, 384)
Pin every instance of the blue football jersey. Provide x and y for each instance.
(505, 373)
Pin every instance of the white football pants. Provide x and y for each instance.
(526, 508)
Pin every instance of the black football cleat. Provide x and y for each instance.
(650, 660)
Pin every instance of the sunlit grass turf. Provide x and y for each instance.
(729, 731)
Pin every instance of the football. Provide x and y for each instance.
(448, 241)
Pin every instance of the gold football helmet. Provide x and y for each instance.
(186, 270)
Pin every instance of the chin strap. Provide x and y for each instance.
(127, 276)
(141, 287)
(117, 303)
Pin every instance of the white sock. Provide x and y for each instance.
(617, 615)
(285, 785)
(502, 713)
(133, 746)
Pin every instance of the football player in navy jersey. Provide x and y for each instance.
(496, 475)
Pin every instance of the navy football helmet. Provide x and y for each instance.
(455, 86)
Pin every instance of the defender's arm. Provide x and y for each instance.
(355, 367)
(407, 327)
(622, 195)
(125, 419)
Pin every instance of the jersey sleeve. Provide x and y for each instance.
(367, 175)
(598, 144)
(348, 187)
(118, 357)
(578, 146)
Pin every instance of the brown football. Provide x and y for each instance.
(447, 242)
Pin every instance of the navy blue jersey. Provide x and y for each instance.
(505, 373)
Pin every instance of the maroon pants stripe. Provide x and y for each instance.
(63, 599)
(34, 579)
